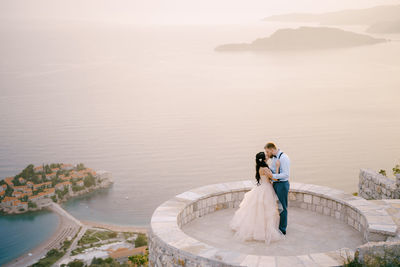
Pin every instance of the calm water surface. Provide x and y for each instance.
(163, 112)
(19, 234)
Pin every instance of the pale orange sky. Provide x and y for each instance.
(172, 11)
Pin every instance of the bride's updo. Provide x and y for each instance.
(260, 162)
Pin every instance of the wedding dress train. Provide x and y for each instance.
(257, 217)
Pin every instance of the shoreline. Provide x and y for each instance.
(116, 227)
(67, 224)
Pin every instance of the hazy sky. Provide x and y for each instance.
(171, 11)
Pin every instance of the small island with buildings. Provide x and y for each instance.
(36, 187)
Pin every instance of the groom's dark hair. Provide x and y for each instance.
(270, 146)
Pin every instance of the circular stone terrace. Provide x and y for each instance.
(325, 226)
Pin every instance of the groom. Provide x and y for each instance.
(280, 180)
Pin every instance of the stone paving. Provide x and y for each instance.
(392, 207)
(307, 233)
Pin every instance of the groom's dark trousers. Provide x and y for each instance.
(282, 191)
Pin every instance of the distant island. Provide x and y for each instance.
(366, 16)
(36, 187)
(304, 38)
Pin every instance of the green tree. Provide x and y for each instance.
(141, 240)
(108, 262)
(112, 234)
(53, 252)
(65, 190)
(15, 181)
(54, 181)
(139, 259)
(9, 191)
(59, 194)
(77, 188)
(31, 204)
(80, 166)
(26, 173)
(36, 179)
(89, 180)
(396, 169)
(39, 190)
(76, 263)
(47, 169)
(55, 165)
(66, 244)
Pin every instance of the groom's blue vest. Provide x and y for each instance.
(279, 158)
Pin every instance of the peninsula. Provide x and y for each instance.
(304, 38)
(36, 187)
(385, 27)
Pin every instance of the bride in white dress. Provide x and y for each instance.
(257, 217)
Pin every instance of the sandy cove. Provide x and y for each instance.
(68, 226)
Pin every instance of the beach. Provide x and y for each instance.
(116, 228)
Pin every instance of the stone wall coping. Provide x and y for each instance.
(379, 178)
(164, 225)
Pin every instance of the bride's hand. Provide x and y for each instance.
(268, 173)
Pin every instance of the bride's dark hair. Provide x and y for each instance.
(260, 162)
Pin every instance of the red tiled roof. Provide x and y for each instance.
(7, 198)
(20, 187)
(66, 165)
(38, 169)
(65, 183)
(126, 252)
(8, 180)
(49, 190)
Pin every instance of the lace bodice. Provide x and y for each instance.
(264, 179)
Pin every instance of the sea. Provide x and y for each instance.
(157, 107)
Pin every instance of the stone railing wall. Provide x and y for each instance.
(373, 185)
(320, 199)
(211, 203)
(169, 245)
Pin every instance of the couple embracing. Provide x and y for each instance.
(262, 214)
